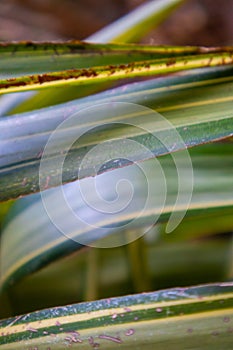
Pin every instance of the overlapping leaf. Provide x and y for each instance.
(147, 16)
(114, 71)
(198, 104)
(43, 232)
(175, 318)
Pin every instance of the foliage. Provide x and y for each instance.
(181, 116)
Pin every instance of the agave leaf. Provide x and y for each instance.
(18, 59)
(24, 58)
(137, 23)
(49, 236)
(113, 72)
(175, 318)
(28, 57)
(206, 115)
(130, 24)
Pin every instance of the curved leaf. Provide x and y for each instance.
(131, 24)
(49, 236)
(206, 115)
(137, 23)
(175, 318)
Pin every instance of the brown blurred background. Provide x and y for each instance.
(202, 22)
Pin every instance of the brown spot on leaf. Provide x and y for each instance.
(12, 82)
(171, 62)
(209, 62)
(45, 78)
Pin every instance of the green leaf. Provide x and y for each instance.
(198, 104)
(24, 58)
(131, 23)
(51, 56)
(137, 23)
(112, 72)
(49, 236)
(175, 318)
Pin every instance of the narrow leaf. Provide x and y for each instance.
(51, 231)
(43, 100)
(206, 115)
(115, 72)
(137, 23)
(175, 318)
(23, 58)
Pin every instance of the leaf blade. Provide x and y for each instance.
(208, 104)
(136, 24)
(114, 72)
(45, 242)
(195, 311)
